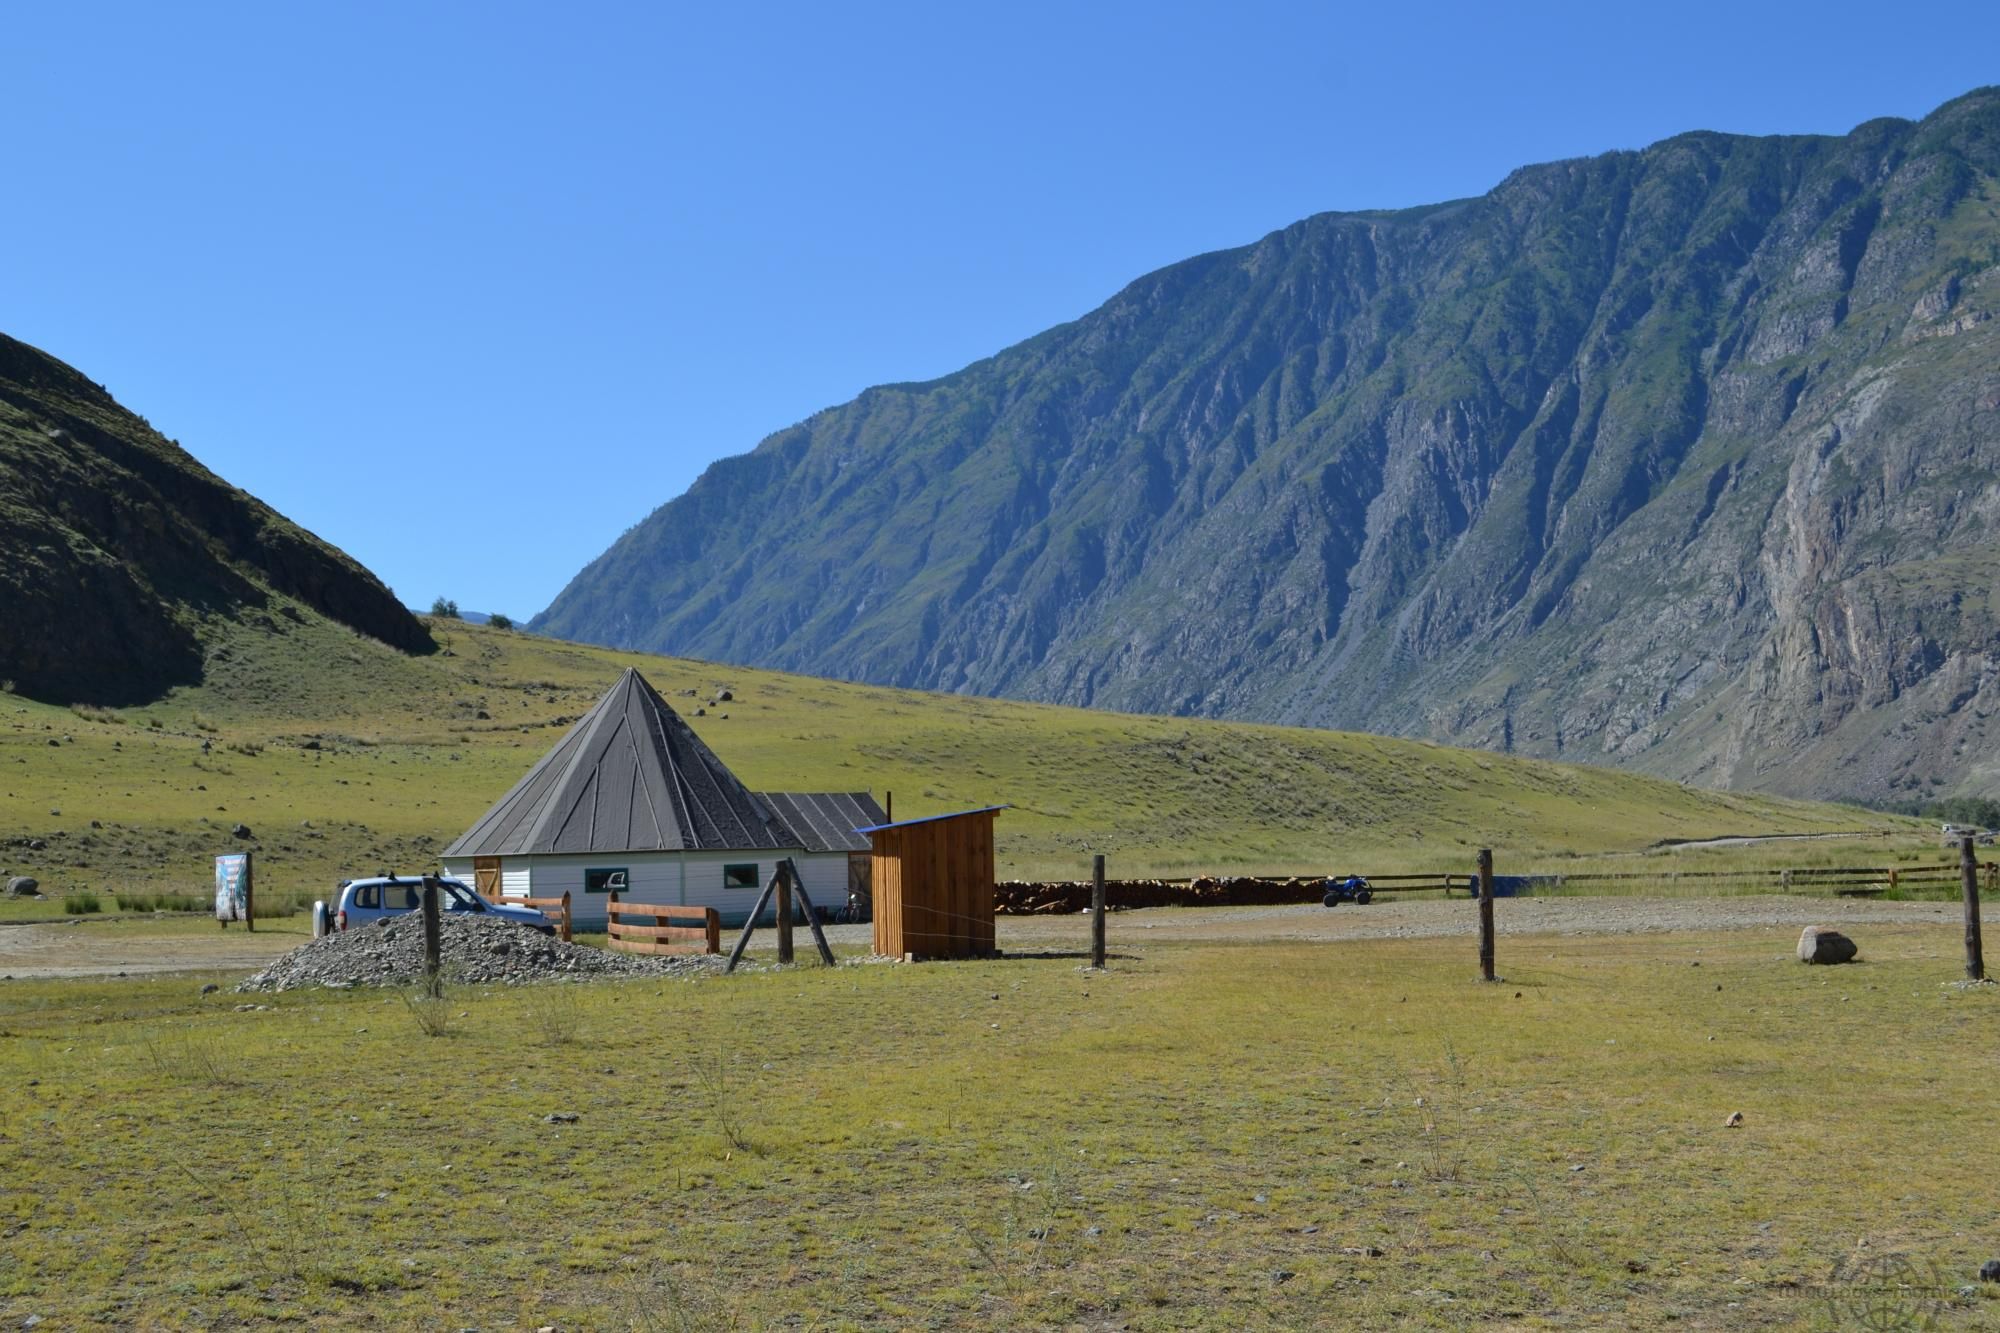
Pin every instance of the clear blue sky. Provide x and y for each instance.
(469, 289)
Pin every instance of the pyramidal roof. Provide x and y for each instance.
(629, 776)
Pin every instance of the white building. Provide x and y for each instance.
(630, 802)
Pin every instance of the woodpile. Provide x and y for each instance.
(1054, 898)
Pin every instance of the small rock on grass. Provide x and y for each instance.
(561, 1118)
(1734, 1121)
(1817, 944)
(1990, 1271)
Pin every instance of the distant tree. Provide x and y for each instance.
(1973, 811)
(445, 607)
(500, 620)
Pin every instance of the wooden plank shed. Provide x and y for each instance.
(933, 885)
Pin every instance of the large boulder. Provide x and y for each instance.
(1817, 944)
(21, 886)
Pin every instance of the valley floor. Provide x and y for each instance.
(1228, 1128)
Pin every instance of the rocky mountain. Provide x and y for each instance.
(1684, 459)
(118, 549)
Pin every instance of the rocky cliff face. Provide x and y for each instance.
(116, 548)
(1684, 459)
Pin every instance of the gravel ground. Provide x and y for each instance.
(472, 950)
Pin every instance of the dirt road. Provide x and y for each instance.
(109, 948)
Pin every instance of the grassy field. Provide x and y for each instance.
(1255, 1135)
(344, 757)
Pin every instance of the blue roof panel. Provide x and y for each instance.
(932, 819)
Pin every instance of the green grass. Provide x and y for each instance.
(344, 757)
(1015, 1143)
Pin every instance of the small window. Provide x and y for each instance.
(368, 897)
(740, 877)
(605, 881)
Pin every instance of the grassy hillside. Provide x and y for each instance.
(343, 756)
(119, 552)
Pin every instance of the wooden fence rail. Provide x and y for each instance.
(550, 907)
(704, 936)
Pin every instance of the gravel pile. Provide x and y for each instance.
(472, 950)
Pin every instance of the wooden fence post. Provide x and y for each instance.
(1097, 911)
(1975, 961)
(433, 979)
(743, 940)
(565, 917)
(1486, 914)
(812, 913)
(784, 915)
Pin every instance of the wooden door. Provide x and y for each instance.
(486, 877)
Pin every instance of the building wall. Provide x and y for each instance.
(692, 879)
(825, 874)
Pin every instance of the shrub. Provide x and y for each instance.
(1965, 811)
(500, 620)
(445, 607)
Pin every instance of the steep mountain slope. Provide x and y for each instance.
(121, 552)
(1682, 458)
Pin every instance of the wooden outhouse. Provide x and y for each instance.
(933, 885)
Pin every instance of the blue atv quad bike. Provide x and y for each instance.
(1353, 889)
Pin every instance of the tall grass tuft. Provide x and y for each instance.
(725, 1106)
(196, 1055)
(81, 902)
(555, 1013)
(430, 1007)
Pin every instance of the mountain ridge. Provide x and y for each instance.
(124, 550)
(1402, 471)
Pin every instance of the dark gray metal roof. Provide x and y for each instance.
(824, 821)
(630, 776)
